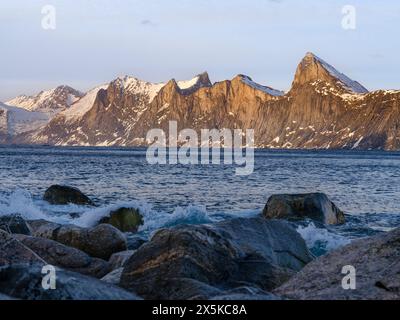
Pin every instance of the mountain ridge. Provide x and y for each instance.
(323, 109)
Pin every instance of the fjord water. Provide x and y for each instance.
(364, 184)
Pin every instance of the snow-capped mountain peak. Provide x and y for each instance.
(50, 101)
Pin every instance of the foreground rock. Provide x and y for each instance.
(316, 206)
(124, 219)
(65, 257)
(12, 251)
(229, 254)
(4, 297)
(119, 259)
(100, 242)
(14, 223)
(377, 264)
(24, 281)
(246, 293)
(135, 241)
(61, 195)
(114, 277)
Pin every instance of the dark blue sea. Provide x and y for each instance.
(365, 185)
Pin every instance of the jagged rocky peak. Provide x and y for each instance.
(313, 68)
(268, 90)
(134, 86)
(51, 101)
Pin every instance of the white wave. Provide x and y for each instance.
(91, 217)
(321, 239)
(21, 202)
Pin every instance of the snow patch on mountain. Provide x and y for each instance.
(342, 78)
(51, 101)
(137, 86)
(14, 120)
(83, 105)
(187, 84)
(268, 90)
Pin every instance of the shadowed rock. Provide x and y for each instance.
(228, 254)
(24, 281)
(65, 257)
(114, 277)
(377, 264)
(14, 224)
(246, 293)
(12, 251)
(61, 195)
(119, 259)
(315, 206)
(100, 242)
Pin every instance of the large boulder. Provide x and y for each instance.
(65, 257)
(315, 206)
(14, 223)
(61, 195)
(24, 281)
(12, 251)
(124, 219)
(377, 268)
(100, 242)
(228, 254)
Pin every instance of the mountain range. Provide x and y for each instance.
(324, 109)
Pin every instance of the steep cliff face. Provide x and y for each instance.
(323, 109)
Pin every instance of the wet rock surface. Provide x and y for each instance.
(228, 254)
(315, 206)
(61, 195)
(377, 272)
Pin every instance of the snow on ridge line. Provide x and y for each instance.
(35, 102)
(345, 80)
(187, 84)
(83, 105)
(136, 85)
(273, 92)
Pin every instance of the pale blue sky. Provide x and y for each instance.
(97, 40)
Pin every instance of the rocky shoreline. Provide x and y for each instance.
(259, 258)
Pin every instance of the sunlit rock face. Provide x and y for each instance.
(324, 109)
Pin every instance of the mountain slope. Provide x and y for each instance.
(51, 101)
(14, 121)
(323, 109)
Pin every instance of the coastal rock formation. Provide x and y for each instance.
(377, 272)
(65, 257)
(14, 224)
(60, 195)
(12, 251)
(228, 254)
(100, 242)
(24, 281)
(315, 206)
(324, 109)
(124, 219)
